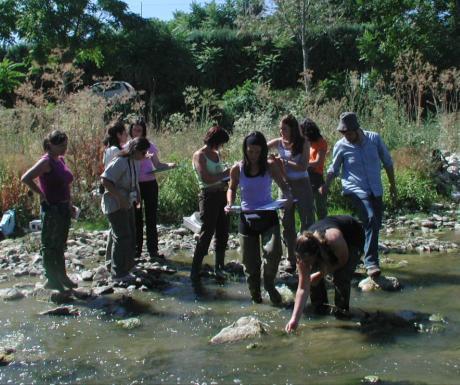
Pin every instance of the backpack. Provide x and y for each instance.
(8, 222)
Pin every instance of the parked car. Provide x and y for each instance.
(122, 98)
(111, 89)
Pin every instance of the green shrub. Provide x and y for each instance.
(178, 196)
(416, 191)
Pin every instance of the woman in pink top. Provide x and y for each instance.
(148, 187)
(54, 179)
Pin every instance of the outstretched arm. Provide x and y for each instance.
(303, 291)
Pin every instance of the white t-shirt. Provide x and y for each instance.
(109, 154)
(122, 172)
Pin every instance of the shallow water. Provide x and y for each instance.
(172, 345)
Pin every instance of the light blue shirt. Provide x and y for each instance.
(361, 164)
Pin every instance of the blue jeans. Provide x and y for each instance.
(369, 210)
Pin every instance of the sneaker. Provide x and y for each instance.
(373, 272)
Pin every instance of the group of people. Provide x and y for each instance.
(331, 245)
(294, 161)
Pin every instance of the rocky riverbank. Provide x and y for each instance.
(21, 262)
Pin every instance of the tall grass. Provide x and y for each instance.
(81, 115)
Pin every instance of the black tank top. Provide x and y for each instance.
(351, 228)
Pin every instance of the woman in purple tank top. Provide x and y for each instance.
(258, 227)
(56, 207)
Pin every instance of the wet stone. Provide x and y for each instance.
(11, 294)
(244, 328)
(380, 283)
(62, 311)
(103, 290)
(87, 275)
(129, 323)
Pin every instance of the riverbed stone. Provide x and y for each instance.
(62, 311)
(101, 273)
(103, 290)
(380, 283)
(11, 294)
(244, 328)
(87, 275)
(129, 323)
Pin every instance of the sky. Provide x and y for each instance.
(162, 9)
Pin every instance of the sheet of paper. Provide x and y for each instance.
(161, 169)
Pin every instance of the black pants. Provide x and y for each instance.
(149, 201)
(214, 221)
(342, 284)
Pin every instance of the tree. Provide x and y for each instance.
(69, 24)
(392, 27)
(7, 21)
(305, 19)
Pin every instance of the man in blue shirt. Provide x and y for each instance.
(359, 155)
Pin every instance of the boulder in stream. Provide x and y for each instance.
(62, 311)
(244, 328)
(380, 283)
(11, 294)
(129, 323)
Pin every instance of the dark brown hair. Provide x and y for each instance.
(111, 138)
(296, 139)
(314, 250)
(139, 122)
(310, 129)
(216, 136)
(255, 138)
(55, 137)
(136, 144)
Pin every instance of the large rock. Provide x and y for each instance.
(379, 283)
(129, 323)
(11, 294)
(244, 328)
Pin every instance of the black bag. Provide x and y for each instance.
(257, 222)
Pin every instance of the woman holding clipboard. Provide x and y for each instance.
(211, 172)
(258, 228)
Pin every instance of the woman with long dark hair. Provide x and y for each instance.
(115, 138)
(258, 228)
(318, 151)
(293, 152)
(212, 199)
(120, 180)
(56, 207)
(148, 187)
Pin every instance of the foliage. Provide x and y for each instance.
(392, 27)
(178, 195)
(10, 77)
(415, 191)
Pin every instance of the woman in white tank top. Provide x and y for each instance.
(293, 154)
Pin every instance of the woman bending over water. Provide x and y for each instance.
(332, 245)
